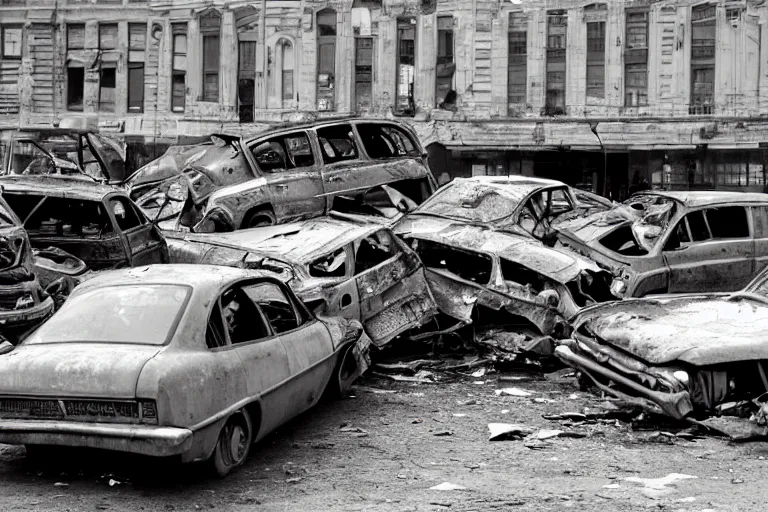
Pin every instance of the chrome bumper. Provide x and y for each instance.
(140, 439)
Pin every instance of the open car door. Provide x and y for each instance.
(110, 157)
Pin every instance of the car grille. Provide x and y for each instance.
(96, 411)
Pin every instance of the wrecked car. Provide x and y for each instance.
(187, 360)
(281, 175)
(96, 223)
(75, 151)
(518, 204)
(676, 242)
(494, 278)
(355, 270)
(23, 302)
(683, 356)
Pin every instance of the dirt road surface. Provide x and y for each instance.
(413, 438)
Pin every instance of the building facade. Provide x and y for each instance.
(599, 94)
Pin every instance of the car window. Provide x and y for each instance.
(698, 226)
(280, 312)
(58, 216)
(27, 158)
(135, 314)
(373, 250)
(242, 318)
(214, 332)
(284, 152)
(728, 222)
(761, 221)
(330, 265)
(467, 265)
(124, 213)
(560, 202)
(384, 141)
(337, 143)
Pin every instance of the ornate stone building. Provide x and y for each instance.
(575, 90)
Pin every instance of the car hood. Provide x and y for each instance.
(93, 370)
(695, 329)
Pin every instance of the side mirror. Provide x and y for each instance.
(6, 347)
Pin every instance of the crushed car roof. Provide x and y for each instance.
(76, 187)
(708, 197)
(525, 251)
(296, 242)
(203, 277)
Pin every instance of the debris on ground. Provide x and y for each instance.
(508, 431)
(658, 487)
(447, 486)
(420, 377)
(513, 392)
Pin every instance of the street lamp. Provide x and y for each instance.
(593, 129)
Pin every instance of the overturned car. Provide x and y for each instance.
(676, 242)
(284, 174)
(683, 356)
(490, 277)
(355, 270)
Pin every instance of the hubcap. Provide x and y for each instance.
(235, 447)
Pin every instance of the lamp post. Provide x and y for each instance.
(593, 128)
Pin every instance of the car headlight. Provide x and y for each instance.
(618, 287)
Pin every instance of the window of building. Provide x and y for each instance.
(210, 29)
(445, 64)
(703, 34)
(406, 69)
(517, 60)
(246, 80)
(179, 67)
(326, 59)
(596, 59)
(636, 59)
(11, 42)
(137, 44)
(363, 74)
(557, 31)
(286, 49)
(107, 85)
(75, 69)
(739, 169)
(107, 36)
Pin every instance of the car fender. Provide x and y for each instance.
(237, 200)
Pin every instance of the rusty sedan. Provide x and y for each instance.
(96, 223)
(682, 356)
(174, 360)
(284, 174)
(493, 277)
(355, 270)
(519, 204)
(676, 242)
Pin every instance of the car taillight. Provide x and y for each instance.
(148, 411)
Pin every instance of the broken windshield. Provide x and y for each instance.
(648, 217)
(469, 202)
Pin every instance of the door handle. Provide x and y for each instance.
(281, 187)
(334, 178)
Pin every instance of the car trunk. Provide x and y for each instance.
(94, 370)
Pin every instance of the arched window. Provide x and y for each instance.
(326, 58)
(288, 66)
(210, 29)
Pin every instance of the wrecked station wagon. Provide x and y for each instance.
(355, 270)
(488, 277)
(191, 361)
(519, 204)
(683, 356)
(281, 175)
(676, 242)
(96, 223)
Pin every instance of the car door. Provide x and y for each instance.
(110, 156)
(143, 242)
(291, 172)
(760, 236)
(307, 343)
(262, 353)
(391, 286)
(710, 250)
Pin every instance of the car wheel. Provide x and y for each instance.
(259, 218)
(233, 444)
(344, 375)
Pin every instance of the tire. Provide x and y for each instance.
(259, 218)
(342, 380)
(233, 444)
